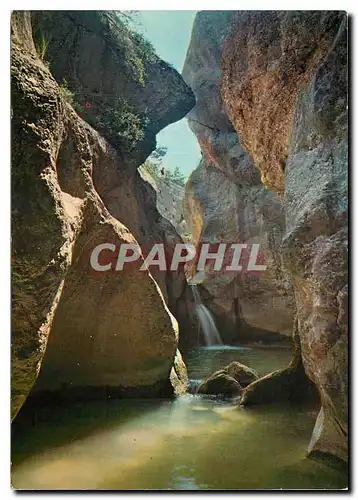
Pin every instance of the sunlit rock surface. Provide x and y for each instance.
(225, 200)
(284, 84)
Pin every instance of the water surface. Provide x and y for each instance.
(191, 443)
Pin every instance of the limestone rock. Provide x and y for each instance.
(178, 375)
(267, 59)
(285, 87)
(220, 383)
(169, 201)
(84, 330)
(316, 241)
(287, 384)
(225, 200)
(113, 75)
(241, 373)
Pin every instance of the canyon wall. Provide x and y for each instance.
(278, 89)
(88, 98)
(285, 87)
(170, 201)
(225, 201)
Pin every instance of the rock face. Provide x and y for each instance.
(225, 200)
(268, 59)
(220, 384)
(286, 384)
(284, 84)
(121, 87)
(80, 329)
(170, 198)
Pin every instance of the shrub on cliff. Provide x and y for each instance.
(122, 123)
(168, 175)
(139, 51)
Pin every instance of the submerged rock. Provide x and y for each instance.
(220, 383)
(242, 373)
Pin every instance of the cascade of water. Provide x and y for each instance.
(212, 336)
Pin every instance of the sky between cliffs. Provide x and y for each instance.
(169, 32)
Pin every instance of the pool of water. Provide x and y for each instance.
(191, 443)
(207, 360)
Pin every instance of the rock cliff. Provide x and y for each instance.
(170, 200)
(274, 105)
(225, 200)
(284, 84)
(75, 185)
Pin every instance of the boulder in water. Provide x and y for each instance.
(241, 373)
(220, 383)
(229, 380)
(80, 332)
(288, 384)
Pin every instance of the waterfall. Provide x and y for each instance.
(212, 336)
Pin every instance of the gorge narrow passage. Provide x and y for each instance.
(156, 376)
(192, 443)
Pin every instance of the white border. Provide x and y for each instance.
(349, 5)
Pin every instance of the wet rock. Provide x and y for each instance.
(241, 373)
(285, 88)
(74, 328)
(220, 383)
(179, 376)
(280, 385)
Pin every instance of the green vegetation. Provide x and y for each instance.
(114, 117)
(122, 123)
(175, 176)
(151, 168)
(41, 44)
(129, 20)
(158, 154)
(66, 93)
(139, 51)
(155, 168)
(140, 69)
(116, 121)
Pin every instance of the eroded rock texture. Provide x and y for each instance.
(73, 190)
(284, 84)
(225, 200)
(268, 58)
(114, 75)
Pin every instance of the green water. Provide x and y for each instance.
(191, 443)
